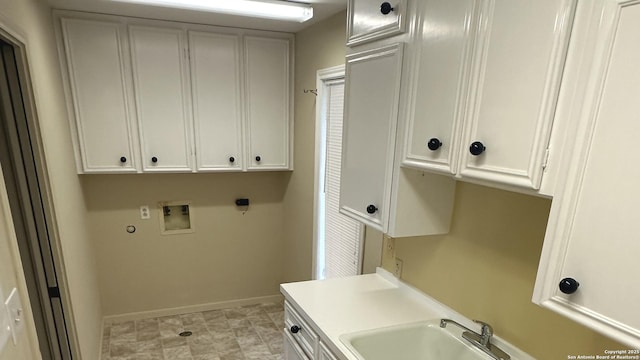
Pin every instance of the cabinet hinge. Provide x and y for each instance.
(546, 159)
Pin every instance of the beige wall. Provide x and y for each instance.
(231, 255)
(485, 268)
(317, 47)
(31, 21)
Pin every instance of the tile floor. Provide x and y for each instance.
(241, 333)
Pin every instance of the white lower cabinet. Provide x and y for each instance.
(589, 265)
(301, 341)
(325, 353)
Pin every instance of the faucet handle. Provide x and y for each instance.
(486, 332)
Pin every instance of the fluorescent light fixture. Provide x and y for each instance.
(269, 9)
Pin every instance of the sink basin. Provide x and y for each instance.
(419, 341)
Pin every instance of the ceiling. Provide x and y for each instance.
(322, 9)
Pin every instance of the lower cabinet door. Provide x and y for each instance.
(325, 353)
(292, 351)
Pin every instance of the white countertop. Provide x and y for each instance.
(345, 305)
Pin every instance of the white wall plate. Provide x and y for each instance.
(5, 327)
(15, 313)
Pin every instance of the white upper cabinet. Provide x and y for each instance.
(152, 96)
(369, 20)
(162, 97)
(217, 106)
(487, 77)
(517, 67)
(439, 65)
(104, 116)
(589, 265)
(375, 190)
(268, 102)
(372, 92)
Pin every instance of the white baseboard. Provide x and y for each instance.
(191, 309)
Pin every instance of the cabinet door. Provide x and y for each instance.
(372, 92)
(292, 351)
(439, 67)
(518, 62)
(325, 353)
(162, 98)
(217, 112)
(268, 102)
(592, 236)
(369, 20)
(98, 79)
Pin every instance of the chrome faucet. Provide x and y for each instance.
(480, 340)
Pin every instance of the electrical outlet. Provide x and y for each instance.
(144, 212)
(397, 270)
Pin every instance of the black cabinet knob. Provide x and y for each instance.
(123, 159)
(232, 159)
(371, 209)
(258, 158)
(477, 148)
(568, 285)
(294, 329)
(385, 8)
(434, 144)
(154, 159)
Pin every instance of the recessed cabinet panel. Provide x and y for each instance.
(268, 103)
(440, 61)
(162, 93)
(325, 353)
(518, 61)
(370, 20)
(593, 234)
(292, 350)
(98, 79)
(217, 108)
(371, 109)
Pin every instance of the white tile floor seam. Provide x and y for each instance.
(241, 333)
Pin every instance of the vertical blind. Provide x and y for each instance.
(342, 234)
